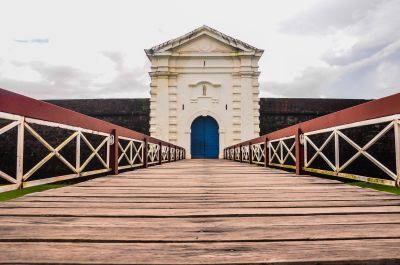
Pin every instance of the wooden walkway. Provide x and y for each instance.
(202, 212)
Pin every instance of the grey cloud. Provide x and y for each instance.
(58, 81)
(17, 63)
(312, 83)
(65, 77)
(38, 90)
(377, 31)
(115, 57)
(369, 69)
(328, 16)
(34, 40)
(374, 77)
(128, 81)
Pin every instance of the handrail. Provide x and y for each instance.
(278, 145)
(125, 148)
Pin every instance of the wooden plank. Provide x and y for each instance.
(196, 232)
(373, 251)
(202, 212)
(206, 222)
(199, 205)
(166, 213)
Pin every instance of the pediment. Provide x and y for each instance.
(204, 43)
(203, 39)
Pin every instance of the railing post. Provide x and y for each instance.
(240, 154)
(78, 153)
(114, 153)
(299, 153)
(169, 153)
(250, 154)
(20, 152)
(145, 153)
(397, 150)
(160, 153)
(266, 153)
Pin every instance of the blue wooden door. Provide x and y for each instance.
(204, 138)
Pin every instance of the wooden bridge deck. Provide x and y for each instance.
(202, 212)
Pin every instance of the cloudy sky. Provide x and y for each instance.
(94, 49)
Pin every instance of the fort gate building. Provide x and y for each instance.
(204, 92)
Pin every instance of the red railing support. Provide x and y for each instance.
(145, 153)
(160, 154)
(266, 153)
(114, 152)
(299, 152)
(169, 153)
(250, 154)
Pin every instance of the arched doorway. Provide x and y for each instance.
(204, 138)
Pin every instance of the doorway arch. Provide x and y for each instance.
(204, 137)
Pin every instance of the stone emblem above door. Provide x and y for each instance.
(204, 90)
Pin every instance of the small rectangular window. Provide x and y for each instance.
(183, 106)
(226, 106)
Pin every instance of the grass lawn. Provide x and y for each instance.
(378, 187)
(9, 195)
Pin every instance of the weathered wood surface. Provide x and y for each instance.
(202, 212)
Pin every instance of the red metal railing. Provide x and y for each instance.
(113, 147)
(300, 146)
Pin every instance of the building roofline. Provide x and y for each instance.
(195, 33)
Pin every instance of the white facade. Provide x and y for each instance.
(204, 73)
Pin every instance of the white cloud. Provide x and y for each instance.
(94, 48)
(362, 59)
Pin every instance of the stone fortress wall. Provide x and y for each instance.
(275, 113)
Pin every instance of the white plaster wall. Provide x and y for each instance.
(231, 79)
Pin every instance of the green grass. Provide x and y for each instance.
(378, 187)
(9, 195)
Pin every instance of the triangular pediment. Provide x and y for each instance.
(203, 39)
(204, 43)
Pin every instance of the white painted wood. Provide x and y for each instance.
(357, 124)
(397, 150)
(362, 151)
(64, 126)
(337, 151)
(78, 152)
(319, 151)
(94, 152)
(20, 151)
(53, 151)
(9, 126)
(7, 177)
(9, 116)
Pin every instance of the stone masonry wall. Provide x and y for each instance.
(278, 113)
(130, 113)
(275, 113)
